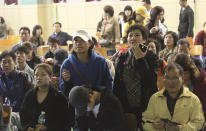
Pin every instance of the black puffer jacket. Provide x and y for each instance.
(146, 68)
(13, 95)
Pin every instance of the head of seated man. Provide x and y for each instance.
(21, 53)
(8, 62)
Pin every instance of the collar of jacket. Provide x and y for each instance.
(185, 92)
(12, 75)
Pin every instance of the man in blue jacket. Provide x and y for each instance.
(14, 84)
(63, 37)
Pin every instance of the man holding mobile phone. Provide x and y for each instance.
(135, 79)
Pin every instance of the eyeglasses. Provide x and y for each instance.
(166, 78)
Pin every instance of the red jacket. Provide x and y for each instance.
(200, 89)
(200, 39)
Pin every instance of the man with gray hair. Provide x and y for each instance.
(183, 47)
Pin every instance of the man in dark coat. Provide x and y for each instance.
(186, 20)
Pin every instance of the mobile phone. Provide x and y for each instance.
(171, 122)
(143, 47)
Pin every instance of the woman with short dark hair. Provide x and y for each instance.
(170, 50)
(110, 34)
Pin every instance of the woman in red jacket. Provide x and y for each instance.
(200, 39)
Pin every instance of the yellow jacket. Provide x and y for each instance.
(187, 112)
(127, 25)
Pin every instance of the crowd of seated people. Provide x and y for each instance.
(152, 83)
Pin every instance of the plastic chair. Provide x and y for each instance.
(196, 50)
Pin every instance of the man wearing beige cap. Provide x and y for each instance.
(84, 66)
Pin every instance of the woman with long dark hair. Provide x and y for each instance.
(157, 29)
(36, 36)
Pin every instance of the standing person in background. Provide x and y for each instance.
(63, 37)
(121, 22)
(157, 29)
(147, 4)
(110, 34)
(36, 36)
(138, 18)
(200, 39)
(3, 28)
(44, 98)
(186, 20)
(128, 17)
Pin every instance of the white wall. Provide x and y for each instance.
(84, 15)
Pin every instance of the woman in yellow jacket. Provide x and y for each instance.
(138, 18)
